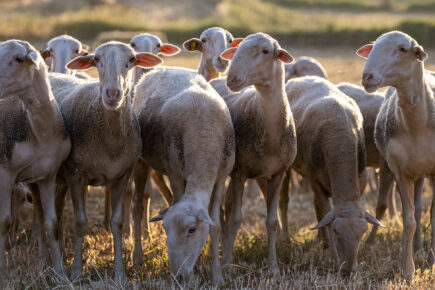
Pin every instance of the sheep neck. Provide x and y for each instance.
(41, 108)
(274, 100)
(415, 100)
(117, 121)
(207, 70)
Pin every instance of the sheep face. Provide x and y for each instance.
(18, 62)
(252, 62)
(212, 43)
(114, 61)
(348, 223)
(146, 42)
(389, 60)
(187, 226)
(61, 50)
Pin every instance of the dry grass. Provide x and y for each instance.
(303, 262)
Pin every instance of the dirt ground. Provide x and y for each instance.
(304, 263)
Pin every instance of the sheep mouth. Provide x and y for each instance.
(372, 87)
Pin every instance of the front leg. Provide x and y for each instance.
(273, 190)
(118, 194)
(406, 189)
(47, 189)
(418, 202)
(7, 182)
(78, 189)
(107, 208)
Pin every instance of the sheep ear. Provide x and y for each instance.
(160, 216)
(229, 53)
(419, 53)
(371, 219)
(236, 42)
(169, 49)
(203, 216)
(193, 44)
(326, 220)
(33, 58)
(284, 56)
(81, 62)
(146, 59)
(46, 53)
(365, 51)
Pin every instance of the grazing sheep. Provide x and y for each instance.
(212, 42)
(33, 138)
(60, 50)
(331, 156)
(264, 128)
(304, 66)
(405, 126)
(105, 135)
(187, 134)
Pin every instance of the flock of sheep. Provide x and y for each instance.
(63, 131)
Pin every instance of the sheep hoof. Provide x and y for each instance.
(76, 272)
(274, 269)
(121, 278)
(137, 260)
(218, 280)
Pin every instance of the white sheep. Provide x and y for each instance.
(105, 135)
(33, 138)
(187, 134)
(331, 155)
(212, 42)
(60, 50)
(405, 126)
(304, 66)
(264, 128)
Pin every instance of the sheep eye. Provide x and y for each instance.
(19, 59)
(402, 49)
(192, 230)
(265, 51)
(77, 51)
(159, 45)
(96, 59)
(132, 59)
(132, 44)
(230, 40)
(203, 40)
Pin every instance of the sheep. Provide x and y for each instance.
(144, 42)
(33, 138)
(21, 198)
(405, 125)
(325, 116)
(304, 66)
(60, 50)
(212, 42)
(264, 128)
(105, 135)
(187, 134)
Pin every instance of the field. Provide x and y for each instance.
(330, 31)
(304, 263)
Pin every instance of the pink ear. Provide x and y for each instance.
(81, 62)
(146, 59)
(169, 49)
(284, 56)
(365, 50)
(229, 53)
(236, 42)
(419, 53)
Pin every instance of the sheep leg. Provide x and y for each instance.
(47, 189)
(322, 207)
(140, 174)
(127, 206)
(5, 213)
(107, 208)
(161, 184)
(273, 192)
(418, 204)
(262, 184)
(432, 224)
(118, 194)
(61, 192)
(233, 217)
(391, 205)
(215, 206)
(80, 220)
(43, 255)
(146, 205)
(283, 206)
(406, 189)
(386, 182)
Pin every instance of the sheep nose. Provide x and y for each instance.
(232, 80)
(366, 78)
(113, 93)
(220, 60)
